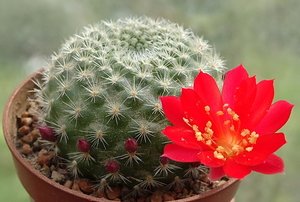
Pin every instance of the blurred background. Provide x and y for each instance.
(264, 35)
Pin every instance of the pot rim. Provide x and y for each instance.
(11, 145)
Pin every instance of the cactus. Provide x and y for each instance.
(100, 99)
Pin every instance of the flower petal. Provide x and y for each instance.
(181, 154)
(233, 169)
(207, 158)
(194, 108)
(273, 164)
(265, 145)
(232, 80)
(207, 88)
(244, 98)
(216, 173)
(262, 103)
(184, 137)
(276, 117)
(172, 108)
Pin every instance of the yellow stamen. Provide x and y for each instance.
(209, 124)
(226, 122)
(220, 113)
(186, 121)
(208, 142)
(245, 132)
(207, 108)
(207, 135)
(253, 137)
(219, 155)
(249, 149)
(220, 149)
(235, 117)
(237, 149)
(199, 136)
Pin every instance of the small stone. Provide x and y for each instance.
(113, 193)
(25, 114)
(45, 158)
(24, 130)
(62, 171)
(57, 177)
(45, 170)
(26, 121)
(157, 197)
(177, 189)
(100, 193)
(27, 139)
(26, 149)
(140, 200)
(167, 197)
(35, 119)
(85, 186)
(173, 194)
(75, 186)
(218, 183)
(35, 133)
(185, 192)
(68, 184)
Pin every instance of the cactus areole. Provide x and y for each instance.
(100, 94)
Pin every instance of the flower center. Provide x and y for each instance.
(223, 133)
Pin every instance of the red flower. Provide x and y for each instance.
(233, 131)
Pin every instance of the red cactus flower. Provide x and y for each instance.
(112, 167)
(48, 133)
(232, 131)
(131, 145)
(83, 145)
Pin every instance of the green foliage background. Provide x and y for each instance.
(264, 35)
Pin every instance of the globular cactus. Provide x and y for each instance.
(100, 99)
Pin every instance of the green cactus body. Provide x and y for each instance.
(100, 93)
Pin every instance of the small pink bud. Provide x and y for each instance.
(195, 164)
(48, 133)
(83, 145)
(112, 167)
(131, 145)
(164, 160)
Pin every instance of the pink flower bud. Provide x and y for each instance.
(164, 160)
(83, 145)
(112, 167)
(131, 145)
(48, 133)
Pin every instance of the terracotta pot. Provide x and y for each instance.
(42, 189)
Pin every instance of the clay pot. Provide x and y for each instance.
(42, 189)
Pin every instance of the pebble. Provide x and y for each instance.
(157, 197)
(45, 158)
(85, 186)
(57, 177)
(101, 193)
(167, 197)
(140, 200)
(75, 186)
(35, 134)
(26, 121)
(28, 139)
(26, 149)
(24, 130)
(113, 193)
(68, 184)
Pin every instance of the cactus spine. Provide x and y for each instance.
(100, 94)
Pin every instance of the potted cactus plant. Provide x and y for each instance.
(105, 103)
